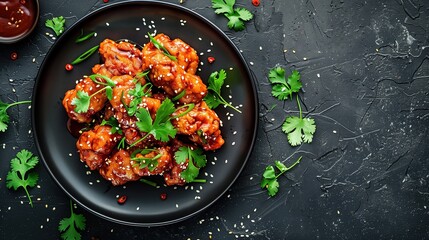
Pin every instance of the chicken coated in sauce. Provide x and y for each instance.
(121, 58)
(202, 125)
(118, 169)
(170, 75)
(96, 144)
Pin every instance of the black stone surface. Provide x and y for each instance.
(365, 69)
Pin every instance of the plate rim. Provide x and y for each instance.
(193, 14)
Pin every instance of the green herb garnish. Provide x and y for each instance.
(236, 16)
(161, 128)
(142, 162)
(150, 183)
(85, 55)
(299, 129)
(56, 24)
(196, 160)
(283, 90)
(19, 175)
(82, 37)
(4, 117)
(82, 99)
(214, 97)
(160, 47)
(69, 226)
(269, 178)
(138, 93)
(113, 122)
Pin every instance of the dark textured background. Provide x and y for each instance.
(365, 69)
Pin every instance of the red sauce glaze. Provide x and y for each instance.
(16, 17)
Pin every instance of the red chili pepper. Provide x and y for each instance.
(14, 56)
(69, 67)
(22, 1)
(211, 59)
(163, 196)
(122, 199)
(256, 2)
(105, 1)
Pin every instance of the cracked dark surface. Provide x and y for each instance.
(365, 72)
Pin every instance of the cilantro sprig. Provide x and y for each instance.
(113, 122)
(297, 128)
(196, 160)
(161, 128)
(19, 175)
(142, 162)
(269, 178)
(138, 93)
(160, 47)
(69, 227)
(283, 90)
(236, 16)
(4, 117)
(82, 99)
(214, 97)
(56, 24)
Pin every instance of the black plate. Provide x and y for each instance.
(132, 20)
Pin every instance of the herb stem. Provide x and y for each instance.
(141, 139)
(227, 104)
(71, 208)
(289, 168)
(190, 107)
(299, 106)
(97, 92)
(17, 103)
(199, 181)
(153, 184)
(28, 195)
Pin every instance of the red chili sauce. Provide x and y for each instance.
(16, 17)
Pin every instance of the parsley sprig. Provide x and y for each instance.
(70, 226)
(269, 178)
(196, 160)
(82, 99)
(297, 129)
(56, 24)
(4, 117)
(19, 175)
(160, 47)
(214, 97)
(236, 16)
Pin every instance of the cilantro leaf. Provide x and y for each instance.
(113, 122)
(70, 226)
(19, 175)
(269, 177)
(148, 159)
(223, 6)
(81, 101)
(161, 128)
(236, 16)
(196, 160)
(4, 117)
(283, 90)
(214, 97)
(299, 129)
(56, 24)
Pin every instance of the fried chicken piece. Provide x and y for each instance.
(95, 145)
(117, 169)
(186, 56)
(170, 75)
(96, 102)
(120, 58)
(164, 162)
(173, 177)
(201, 124)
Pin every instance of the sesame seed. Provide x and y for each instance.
(107, 24)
